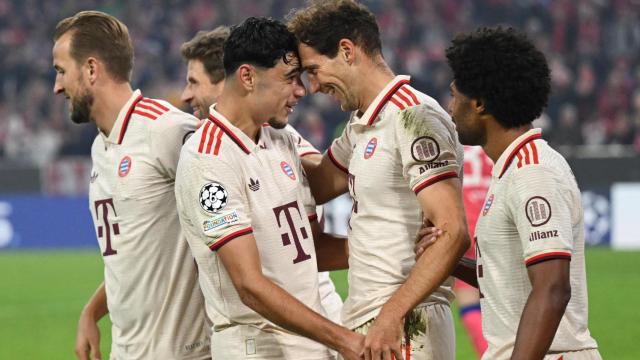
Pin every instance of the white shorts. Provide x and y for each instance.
(250, 342)
(588, 354)
(437, 341)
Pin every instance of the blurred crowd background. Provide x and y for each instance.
(593, 48)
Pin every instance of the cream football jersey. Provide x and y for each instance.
(154, 300)
(403, 143)
(532, 213)
(331, 301)
(228, 186)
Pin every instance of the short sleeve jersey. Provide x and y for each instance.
(532, 213)
(154, 300)
(402, 144)
(228, 186)
(477, 178)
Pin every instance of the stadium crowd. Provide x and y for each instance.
(592, 47)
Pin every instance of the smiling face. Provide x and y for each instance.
(200, 92)
(278, 90)
(468, 123)
(70, 81)
(328, 76)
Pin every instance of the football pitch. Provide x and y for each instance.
(42, 293)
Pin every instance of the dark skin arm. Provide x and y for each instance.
(326, 180)
(550, 294)
(332, 251)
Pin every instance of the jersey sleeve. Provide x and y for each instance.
(341, 149)
(541, 211)
(303, 146)
(167, 137)
(218, 195)
(428, 149)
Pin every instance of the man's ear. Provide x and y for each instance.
(347, 51)
(246, 76)
(92, 68)
(478, 106)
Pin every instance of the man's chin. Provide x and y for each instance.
(278, 124)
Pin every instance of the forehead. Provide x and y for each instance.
(62, 48)
(195, 67)
(309, 56)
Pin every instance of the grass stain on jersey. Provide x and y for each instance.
(413, 124)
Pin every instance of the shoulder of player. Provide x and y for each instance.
(428, 110)
(161, 115)
(211, 143)
(535, 159)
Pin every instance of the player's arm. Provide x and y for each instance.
(466, 268)
(442, 204)
(550, 294)
(326, 179)
(332, 251)
(241, 259)
(88, 335)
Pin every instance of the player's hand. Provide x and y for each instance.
(88, 338)
(353, 347)
(384, 339)
(426, 237)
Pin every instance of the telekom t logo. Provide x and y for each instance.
(106, 228)
(286, 240)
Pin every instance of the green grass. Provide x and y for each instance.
(42, 293)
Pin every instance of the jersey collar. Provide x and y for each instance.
(510, 152)
(122, 121)
(371, 115)
(236, 135)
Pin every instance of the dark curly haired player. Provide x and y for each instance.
(530, 241)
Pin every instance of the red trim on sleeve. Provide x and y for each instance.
(145, 114)
(410, 93)
(218, 244)
(150, 108)
(203, 138)
(313, 217)
(548, 256)
(516, 150)
(151, 101)
(314, 152)
(433, 180)
(397, 103)
(335, 162)
(384, 100)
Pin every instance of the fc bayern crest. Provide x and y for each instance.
(124, 167)
(371, 148)
(213, 197)
(286, 168)
(487, 205)
(425, 148)
(538, 211)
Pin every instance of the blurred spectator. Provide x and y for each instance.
(593, 47)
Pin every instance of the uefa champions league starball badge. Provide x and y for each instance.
(213, 197)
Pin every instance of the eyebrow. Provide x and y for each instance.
(309, 67)
(293, 71)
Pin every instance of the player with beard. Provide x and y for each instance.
(250, 219)
(205, 81)
(150, 287)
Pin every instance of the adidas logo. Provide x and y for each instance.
(254, 185)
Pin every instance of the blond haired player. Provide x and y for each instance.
(530, 234)
(205, 81)
(398, 156)
(150, 287)
(248, 213)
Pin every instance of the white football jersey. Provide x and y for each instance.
(403, 143)
(154, 300)
(532, 213)
(228, 186)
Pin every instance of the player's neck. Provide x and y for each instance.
(377, 75)
(239, 115)
(107, 104)
(499, 139)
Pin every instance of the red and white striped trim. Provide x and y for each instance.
(211, 139)
(150, 108)
(230, 133)
(387, 97)
(404, 98)
(218, 244)
(519, 151)
(547, 256)
(433, 180)
(127, 117)
(528, 154)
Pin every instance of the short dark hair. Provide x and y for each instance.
(207, 47)
(502, 68)
(95, 33)
(322, 24)
(258, 41)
